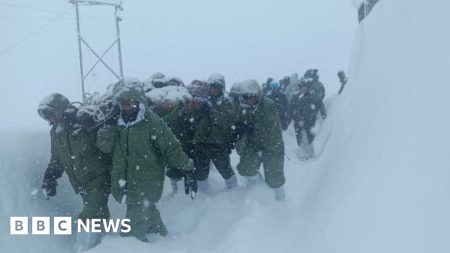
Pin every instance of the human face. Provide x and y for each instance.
(250, 100)
(129, 106)
(50, 116)
(215, 90)
(303, 89)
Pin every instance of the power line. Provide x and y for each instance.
(29, 7)
(20, 6)
(4, 52)
(30, 18)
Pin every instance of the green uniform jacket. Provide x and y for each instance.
(304, 109)
(75, 152)
(263, 144)
(265, 127)
(222, 119)
(179, 123)
(139, 159)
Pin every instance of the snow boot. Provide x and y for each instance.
(279, 193)
(253, 180)
(174, 184)
(231, 182)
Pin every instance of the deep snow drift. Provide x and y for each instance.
(382, 184)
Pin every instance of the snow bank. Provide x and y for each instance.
(384, 177)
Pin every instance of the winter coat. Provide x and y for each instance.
(142, 150)
(75, 152)
(304, 109)
(179, 124)
(282, 104)
(263, 127)
(263, 144)
(222, 115)
(318, 89)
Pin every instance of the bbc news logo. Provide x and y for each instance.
(63, 225)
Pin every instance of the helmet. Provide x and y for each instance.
(129, 89)
(236, 89)
(250, 88)
(217, 80)
(312, 73)
(274, 85)
(51, 105)
(174, 81)
(157, 75)
(150, 83)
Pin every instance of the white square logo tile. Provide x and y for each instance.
(18, 225)
(40, 225)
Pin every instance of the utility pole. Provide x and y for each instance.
(82, 40)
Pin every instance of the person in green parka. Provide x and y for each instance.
(145, 145)
(305, 107)
(74, 151)
(170, 104)
(263, 138)
(213, 137)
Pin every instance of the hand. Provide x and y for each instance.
(49, 188)
(190, 184)
(119, 191)
(230, 146)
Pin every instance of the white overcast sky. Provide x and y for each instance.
(241, 39)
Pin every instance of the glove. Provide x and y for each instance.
(190, 184)
(230, 146)
(119, 191)
(49, 188)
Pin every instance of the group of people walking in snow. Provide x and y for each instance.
(127, 140)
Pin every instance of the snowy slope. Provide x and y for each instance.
(384, 178)
(382, 183)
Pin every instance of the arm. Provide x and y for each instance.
(53, 172)
(201, 124)
(286, 113)
(119, 173)
(171, 151)
(323, 111)
(272, 138)
(168, 145)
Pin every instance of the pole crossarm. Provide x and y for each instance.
(100, 58)
(86, 2)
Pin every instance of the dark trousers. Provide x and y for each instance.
(218, 154)
(309, 135)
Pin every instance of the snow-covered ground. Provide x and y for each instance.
(382, 183)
